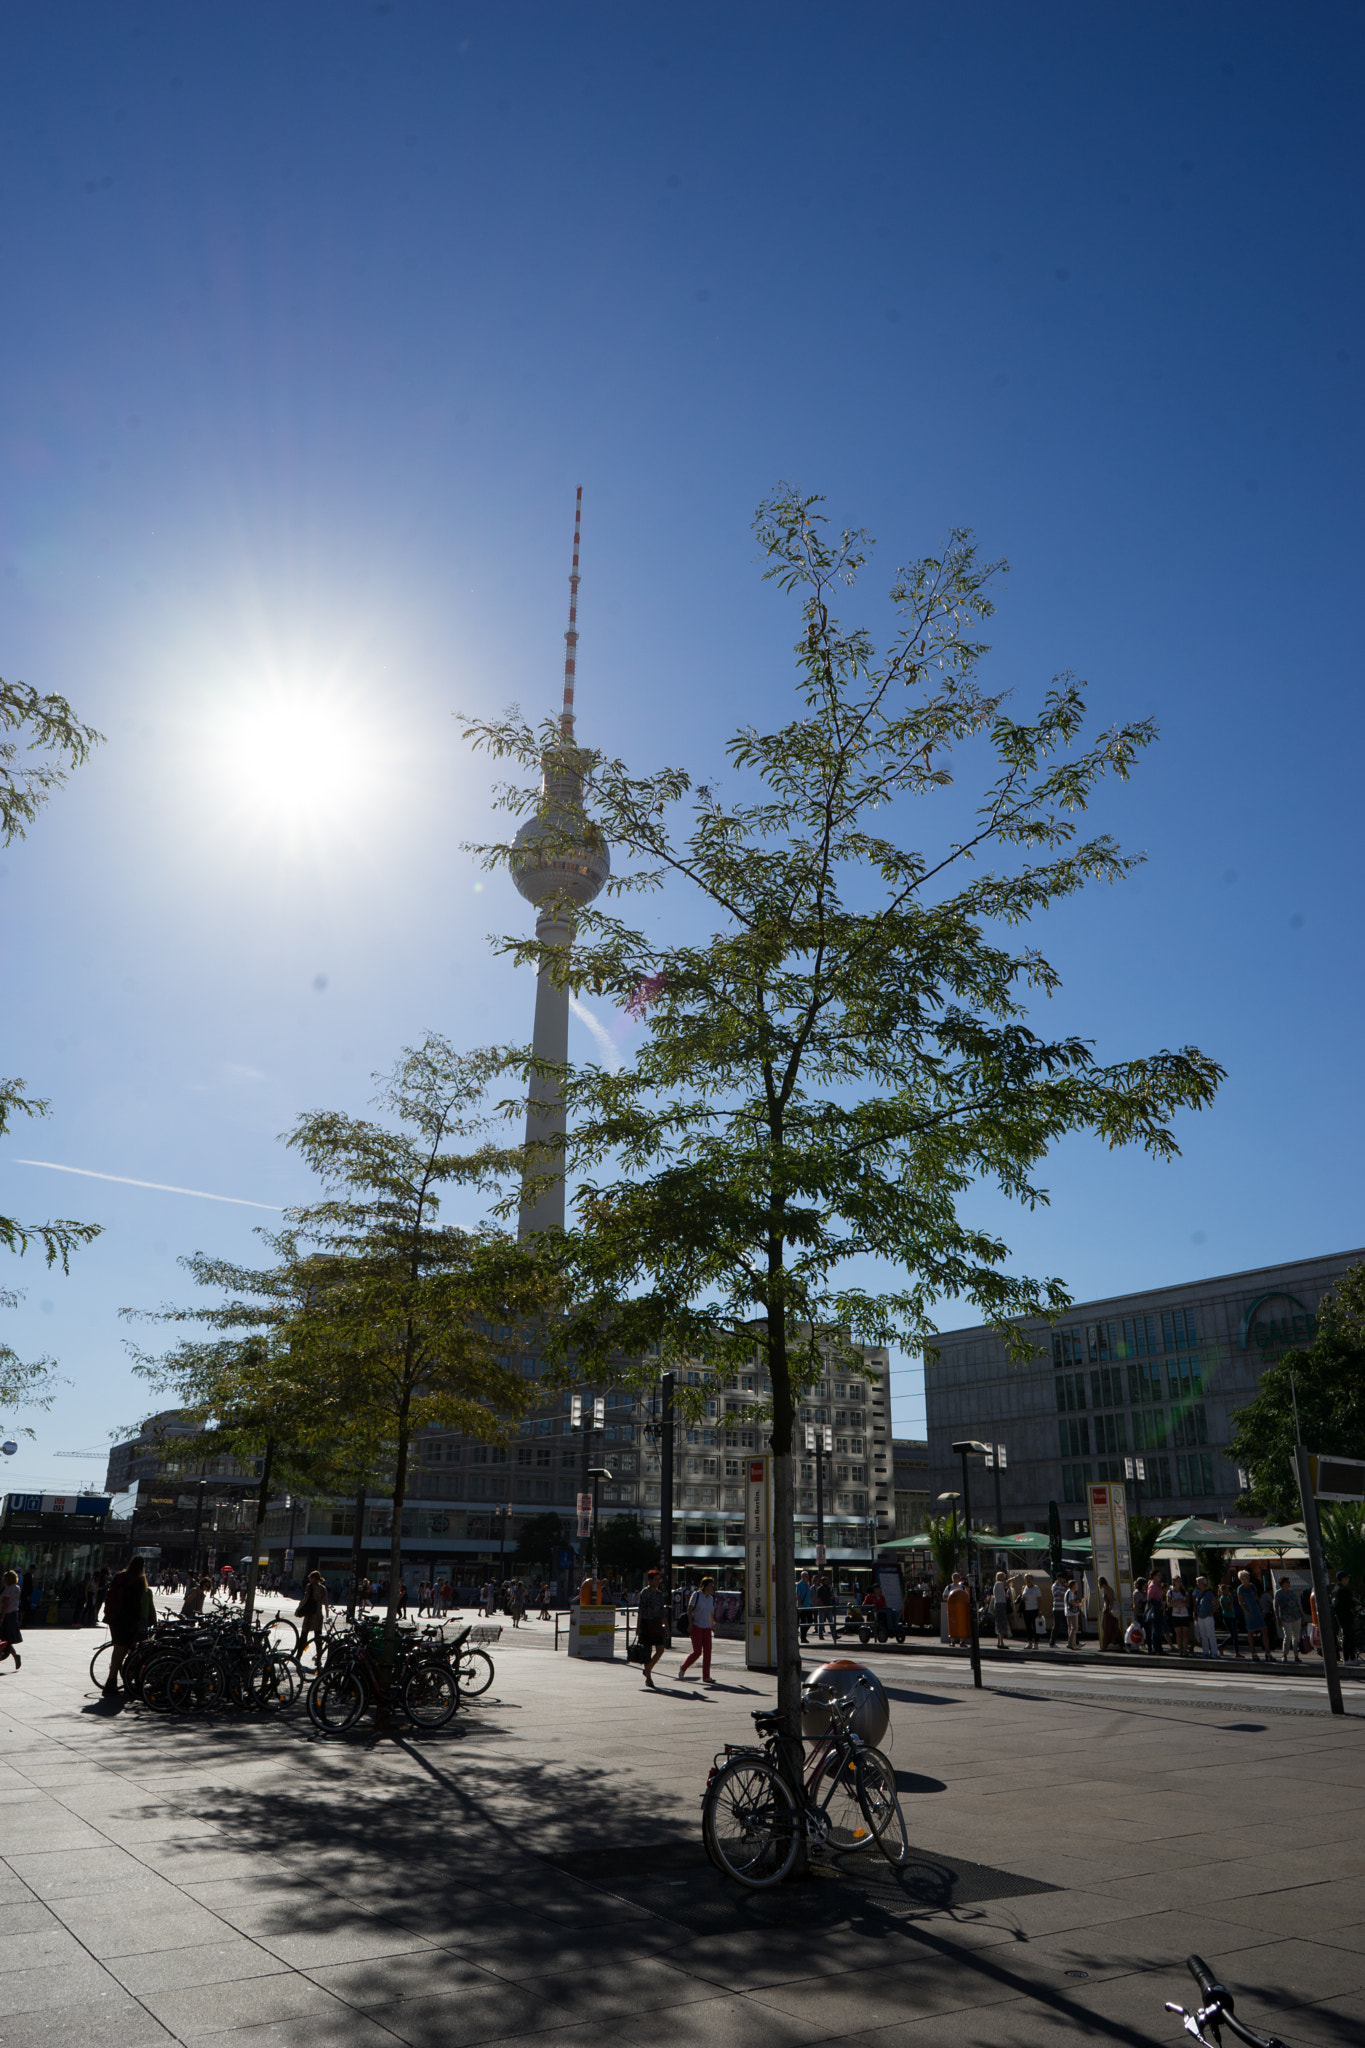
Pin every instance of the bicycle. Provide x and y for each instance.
(1216, 2011)
(472, 1666)
(756, 1808)
(350, 1682)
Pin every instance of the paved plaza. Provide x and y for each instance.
(536, 1874)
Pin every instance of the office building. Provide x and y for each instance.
(1155, 1376)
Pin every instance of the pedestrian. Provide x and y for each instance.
(1058, 1610)
(486, 1598)
(1031, 1601)
(1110, 1633)
(1289, 1615)
(802, 1606)
(1231, 1617)
(651, 1624)
(1000, 1603)
(701, 1611)
(128, 1609)
(1253, 1618)
(192, 1606)
(1205, 1604)
(823, 1604)
(365, 1592)
(311, 1611)
(11, 1632)
(401, 1606)
(1074, 1608)
(1155, 1616)
(1344, 1609)
(1180, 1617)
(518, 1603)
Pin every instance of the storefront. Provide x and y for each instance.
(59, 1538)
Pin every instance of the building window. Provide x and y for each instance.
(1075, 1439)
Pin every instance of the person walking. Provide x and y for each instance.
(1344, 1612)
(1180, 1617)
(824, 1606)
(518, 1603)
(651, 1624)
(1000, 1604)
(1289, 1615)
(192, 1606)
(802, 1606)
(11, 1632)
(1205, 1605)
(1058, 1610)
(701, 1610)
(1253, 1618)
(1073, 1604)
(311, 1612)
(1031, 1602)
(1155, 1615)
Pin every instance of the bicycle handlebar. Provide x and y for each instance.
(1217, 2008)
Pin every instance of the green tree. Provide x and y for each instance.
(541, 1536)
(1343, 1540)
(424, 1319)
(256, 1399)
(838, 1058)
(1143, 1531)
(1319, 1391)
(625, 1545)
(943, 1545)
(37, 734)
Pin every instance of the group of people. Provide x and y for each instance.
(653, 1634)
(815, 1606)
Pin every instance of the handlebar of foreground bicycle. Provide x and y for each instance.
(1217, 2010)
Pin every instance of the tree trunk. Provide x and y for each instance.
(400, 1487)
(357, 1553)
(783, 1588)
(258, 1533)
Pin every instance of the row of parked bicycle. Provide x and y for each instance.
(220, 1662)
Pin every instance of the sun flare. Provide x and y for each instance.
(301, 758)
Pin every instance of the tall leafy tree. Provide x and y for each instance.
(40, 739)
(840, 1056)
(426, 1317)
(1315, 1396)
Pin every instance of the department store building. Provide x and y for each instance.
(1156, 1376)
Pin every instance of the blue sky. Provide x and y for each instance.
(315, 318)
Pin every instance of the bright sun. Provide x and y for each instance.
(297, 758)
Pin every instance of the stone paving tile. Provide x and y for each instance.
(40, 1989)
(224, 1962)
(413, 1973)
(72, 1873)
(110, 2021)
(865, 1999)
(113, 1924)
(194, 2012)
(720, 2023)
(340, 2029)
(23, 1916)
(353, 1941)
(454, 2019)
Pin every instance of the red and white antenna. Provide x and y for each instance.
(571, 637)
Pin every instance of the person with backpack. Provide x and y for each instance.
(128, 1609)
(701, 1610)
(11, 1634)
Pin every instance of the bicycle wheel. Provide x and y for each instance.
(879, 1801)
(278, 1681)
(839, 1799)
(335, 1701)
(750, 1824)
(155, 1682)
(99, 1665)
(284, 1635)
(474, 1672)
(431, 1696)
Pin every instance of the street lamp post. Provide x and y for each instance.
(971, 1448)
(819, 1438)
(666, 1489)
(502, 1513)
(597, 1473)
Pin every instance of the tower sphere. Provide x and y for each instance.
(576, 862)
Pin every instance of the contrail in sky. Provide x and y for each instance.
(162, 1187)
(599, 1032)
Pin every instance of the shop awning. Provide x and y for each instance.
(1194, 1533)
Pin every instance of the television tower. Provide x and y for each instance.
(560, 862)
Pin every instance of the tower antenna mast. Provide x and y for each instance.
(571, 637)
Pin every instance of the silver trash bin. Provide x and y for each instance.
(871, 1717)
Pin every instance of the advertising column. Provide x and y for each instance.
(1109, 1544)
(760, 1648)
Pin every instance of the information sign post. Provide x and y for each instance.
(1112, 1554)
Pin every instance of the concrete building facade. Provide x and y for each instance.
(1156, 1375)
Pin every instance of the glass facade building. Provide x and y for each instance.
(1155, 1376)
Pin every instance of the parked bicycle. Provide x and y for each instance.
(757, 1806)
(353, 1681)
